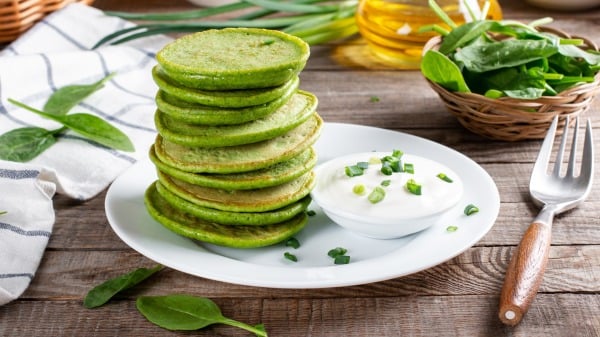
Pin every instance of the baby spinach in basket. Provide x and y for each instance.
(507, 58)
(24, 144)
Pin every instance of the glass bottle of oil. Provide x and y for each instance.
(390, 27)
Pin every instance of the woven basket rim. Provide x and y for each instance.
(17, 16)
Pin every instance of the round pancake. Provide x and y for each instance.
(234, 218)
(231, 236)
(209, 115)
(240, 158)
(273, 175)
(257, 200)
(224, 99)
(234, 58)
(296, 111)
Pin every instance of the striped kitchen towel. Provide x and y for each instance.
(57, 52)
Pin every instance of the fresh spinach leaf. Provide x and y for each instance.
(503, 54)
(576, 52)
(89, 126)
(464, 34)
(24, 144)
(65, 98)
(440, 69)
(98, 130)
(103, 292)
(184, 312)
(514, 82)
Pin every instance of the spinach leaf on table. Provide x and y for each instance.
(185, 312)
(103, 292)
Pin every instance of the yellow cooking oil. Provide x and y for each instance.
(391, 27)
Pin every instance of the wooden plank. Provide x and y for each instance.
(71, 274)
(550, 315)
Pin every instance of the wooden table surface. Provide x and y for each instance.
(456, 298)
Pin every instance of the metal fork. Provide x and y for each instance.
(555, 193)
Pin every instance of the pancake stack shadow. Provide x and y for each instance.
(234, 151)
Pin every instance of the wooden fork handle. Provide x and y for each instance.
(525, 272)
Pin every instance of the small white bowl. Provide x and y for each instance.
(400, 213)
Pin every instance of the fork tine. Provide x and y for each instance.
(541, 163)
(561, 149)
(587, 160)
(572, 155)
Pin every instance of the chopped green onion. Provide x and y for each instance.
(386, 169)
(376, 195)
(341, 259)
(290, 256)
(2, 212)
(409, 168)
(363, 165)
(353, 171)
(471, 209)
(338, 251)
(413, 187)
(386, 182)
(310, 212)
(444, 177)
(292, 242)
(397, 153)
(451, 228)
(374, 99)
(359, 189)
(392, 162)
(374, 160)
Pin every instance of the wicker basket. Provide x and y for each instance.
(16, 16)
(512, 119)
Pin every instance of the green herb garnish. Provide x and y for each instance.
(2, 212)
(292, 242)
(290, 256)
(386, 183)
(451, 228)
(471, 209)
(374, 99)
(341, 259)
(184, 312)
(409, 168)
(24, 144)
(353, 171)
(413, 187)
(338, 251)
(359, 189)
(376, 195)
(363, 165)
(444, 177)
(103, 292)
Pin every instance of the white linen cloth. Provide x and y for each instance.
(57, 52)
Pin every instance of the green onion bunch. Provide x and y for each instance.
(315, 21)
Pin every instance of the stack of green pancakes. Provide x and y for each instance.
(234, 148)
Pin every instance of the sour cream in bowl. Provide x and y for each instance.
(385, 195)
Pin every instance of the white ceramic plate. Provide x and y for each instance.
(372, 260)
